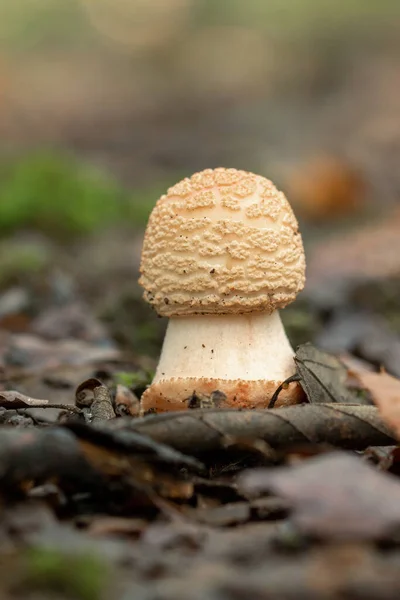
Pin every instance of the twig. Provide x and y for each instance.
(274, 398)
(102, 408)
(69, 407)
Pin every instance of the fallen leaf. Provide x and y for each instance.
(385, 392)
(13, 400)
(323, 376)
(198, 431)
(126, 402)
(84, 393)
(333, 496)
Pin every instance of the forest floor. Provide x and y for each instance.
(97, 502)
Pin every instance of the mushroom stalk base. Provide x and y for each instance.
(246, 357)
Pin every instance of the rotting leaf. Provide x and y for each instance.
(322, 377)
(333, 496)
(385, 392)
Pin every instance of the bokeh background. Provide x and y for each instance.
(105, 103)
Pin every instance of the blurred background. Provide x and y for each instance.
(105, 103)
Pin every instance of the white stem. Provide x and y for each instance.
(245, 347)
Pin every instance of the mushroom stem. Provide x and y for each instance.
(245, 356)
(250, 346)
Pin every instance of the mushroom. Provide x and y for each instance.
(221, 254)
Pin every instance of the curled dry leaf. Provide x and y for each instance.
(126, 402)
(201, 431)
(84, 394)
(385, 392)
(12, 400)
(95, 398)
(333, 496)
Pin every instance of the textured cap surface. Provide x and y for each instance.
(222, 242)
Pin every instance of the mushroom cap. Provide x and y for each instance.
(223, 241)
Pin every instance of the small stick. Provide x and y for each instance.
(102, 408)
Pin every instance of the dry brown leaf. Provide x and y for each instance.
(12, 400)
(385, 392)
(126, 402)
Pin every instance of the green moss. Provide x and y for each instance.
(21, 259)
(134, 380)
(61, 197)
(81, 576)
(55, 194)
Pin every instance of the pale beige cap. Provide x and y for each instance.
(223, 241)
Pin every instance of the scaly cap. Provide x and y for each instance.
(222, 242)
